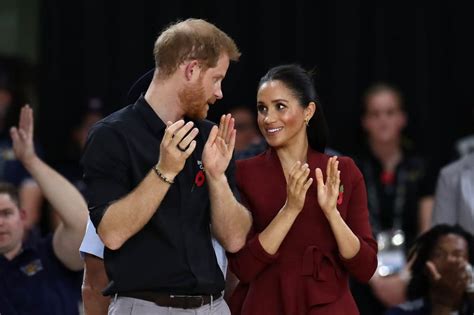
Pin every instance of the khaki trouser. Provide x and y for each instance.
(130, 306)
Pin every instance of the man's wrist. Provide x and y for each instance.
(30, 162)
(166, 177)
(165, 171)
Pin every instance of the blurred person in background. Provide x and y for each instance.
(71, 168)
(454, 198)
(249, 142)
(11, 169)
(91, 249)
(399, 195)
(465, 145)
(442, 281)
(39, 275)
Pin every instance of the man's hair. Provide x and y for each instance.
(192, 39)
(9, 189)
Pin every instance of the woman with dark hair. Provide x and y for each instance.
(441, 274)
(306, 237)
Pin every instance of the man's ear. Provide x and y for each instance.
(23, 214)
(191, 69)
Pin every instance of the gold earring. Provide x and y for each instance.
(306, 122)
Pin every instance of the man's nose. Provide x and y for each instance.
(218, 94)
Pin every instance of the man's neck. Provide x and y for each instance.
(162, 95)
(14, 252)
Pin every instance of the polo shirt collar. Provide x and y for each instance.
(27, 252)
(154, 121)
(149, 116)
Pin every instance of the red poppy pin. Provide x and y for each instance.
(340, 198)
(200, 178)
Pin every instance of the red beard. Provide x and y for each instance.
(194, 101)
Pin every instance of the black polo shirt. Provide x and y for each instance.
(173, 253)
(36, 282)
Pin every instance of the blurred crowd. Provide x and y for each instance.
(422, 217)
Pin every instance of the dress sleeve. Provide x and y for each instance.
(105, 170)
(362, 266)
(251, 260)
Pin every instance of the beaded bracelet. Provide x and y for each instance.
(162, 177)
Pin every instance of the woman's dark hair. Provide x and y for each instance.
(422, 250)
(380, 87)
(300, 82)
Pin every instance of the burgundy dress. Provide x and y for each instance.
(307, 275)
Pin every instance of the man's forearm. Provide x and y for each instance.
(230, 220)
(125, 217)
(69, 205)
(63, 196)
(31, 200)
(95, 280)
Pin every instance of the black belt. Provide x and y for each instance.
(170, 300)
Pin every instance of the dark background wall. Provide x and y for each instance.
(96, 48)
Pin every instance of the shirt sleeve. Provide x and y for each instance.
(91, 243)
(105, 170)
(445, 205)
(362, 266)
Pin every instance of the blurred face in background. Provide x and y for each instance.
(80, 133)
(11, 226)
(5, 102)
(384, 119)
(449, 247)
(247, 132)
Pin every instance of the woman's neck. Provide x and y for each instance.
(290, 154)
(388, 153)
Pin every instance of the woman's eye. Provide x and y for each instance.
(280, 106)
(261, 108)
